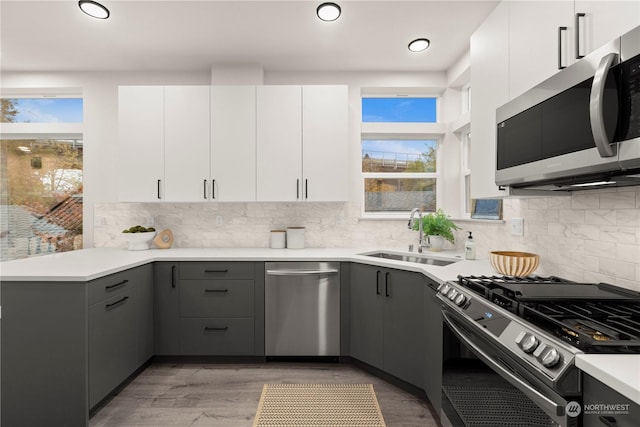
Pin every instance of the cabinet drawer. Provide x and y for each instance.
(111, 285)
(216, 337)
(216, 270)
(216, 298)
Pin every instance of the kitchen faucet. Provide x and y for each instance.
(421, 243)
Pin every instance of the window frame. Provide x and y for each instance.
(398, 131)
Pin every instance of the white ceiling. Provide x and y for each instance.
(55, 35)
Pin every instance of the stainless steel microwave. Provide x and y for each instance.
(579, 129)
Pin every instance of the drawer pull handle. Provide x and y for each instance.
(173, 276)
(211, 328)
(116, 285)
(217, 290)
(217, 271)
(113, 304)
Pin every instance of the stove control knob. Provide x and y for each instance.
(445, 289)
(452, 294)
(460, 300)
(550, 358)
(529, 343)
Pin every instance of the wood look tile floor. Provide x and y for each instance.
(199, 395)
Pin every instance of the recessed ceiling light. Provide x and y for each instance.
(328, 11)
(94, 9)
(418, 45)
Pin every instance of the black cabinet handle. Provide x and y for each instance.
(222, 291)
(173, 276)
(306, 188)
(109, 287)
(217, 271)
(560, 31)
(211, 328)
(578, 18)
(205, 190)
(297, 189)
(386, 284)
(113, 304)
(378, 282)
(608, 421)
(213, 188)
(159, 197)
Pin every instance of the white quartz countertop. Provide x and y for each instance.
(89, 264)
(621, 372)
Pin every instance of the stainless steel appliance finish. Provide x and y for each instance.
(529, 330)
(302, 309)
(579, 129)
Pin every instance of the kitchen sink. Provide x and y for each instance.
(416, 258)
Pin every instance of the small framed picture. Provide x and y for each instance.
(486, 209)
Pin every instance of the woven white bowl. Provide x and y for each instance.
(138, 241)
(512, 263)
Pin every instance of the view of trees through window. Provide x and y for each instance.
(40, 192)
(395, 179)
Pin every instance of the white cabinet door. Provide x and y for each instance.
(603, 21)
(490, 83)
(535, 49)
(140, 168)
(186, 124)
(233, 143)
(325, 143)
(279, 143)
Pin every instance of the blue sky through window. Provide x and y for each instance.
(48, 110)
(399, 110)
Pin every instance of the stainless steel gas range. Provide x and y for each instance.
(513, 343)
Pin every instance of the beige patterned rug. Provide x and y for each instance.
(306, 405)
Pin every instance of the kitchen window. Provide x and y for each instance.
(41, 159)
(400, 155)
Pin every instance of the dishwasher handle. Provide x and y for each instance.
(301, 272)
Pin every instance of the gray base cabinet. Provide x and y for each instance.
(387, 321)
(120, 329)
(209, 309)
(434, 349)
(66, 345)
(602, 406)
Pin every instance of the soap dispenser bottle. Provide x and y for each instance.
(470, 248)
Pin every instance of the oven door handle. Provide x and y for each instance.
(552, 408)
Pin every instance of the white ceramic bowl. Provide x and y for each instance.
(138, 241)
(512, 263)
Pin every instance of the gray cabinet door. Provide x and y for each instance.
(366, 314)
(166, 276)
(404, 339)
(433, 351)
(144, 302)
(113, 342)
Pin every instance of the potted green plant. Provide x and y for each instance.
(438, 227)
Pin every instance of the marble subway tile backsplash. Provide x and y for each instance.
(587, 236)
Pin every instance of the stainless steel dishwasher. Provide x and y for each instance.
(302, 309)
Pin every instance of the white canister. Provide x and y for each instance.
(295, 237)
(278, 239)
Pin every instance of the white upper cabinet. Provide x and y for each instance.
(140, 168)
(490, 89)
(186, 146)
(541, 35)
(279, 143)
(599, 22)
(324, 150)
(233, 143)
(302, 143)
